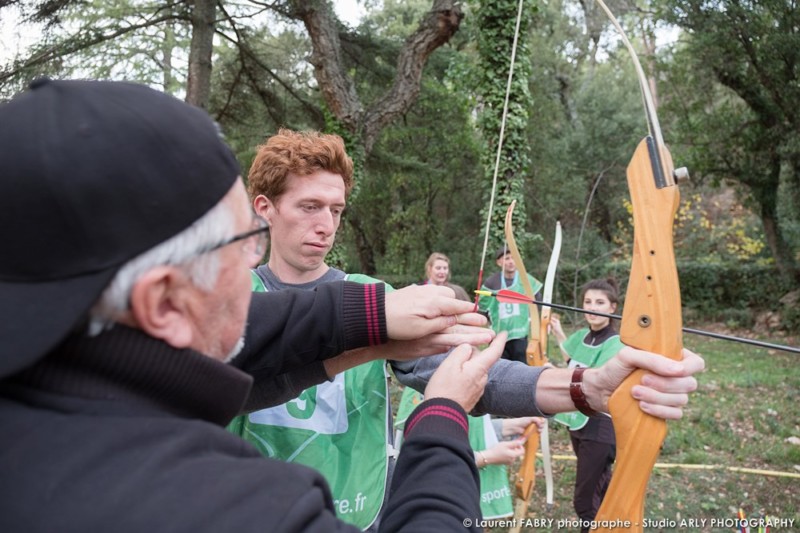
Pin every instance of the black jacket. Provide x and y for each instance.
(123, 433)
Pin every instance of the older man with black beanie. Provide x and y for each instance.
(127, 238)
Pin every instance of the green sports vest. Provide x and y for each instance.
(585, 355)
(496, 500)
(513, 318)
(339, 428)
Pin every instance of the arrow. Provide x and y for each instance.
(513, 297)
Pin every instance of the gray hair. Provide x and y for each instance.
(181, 249)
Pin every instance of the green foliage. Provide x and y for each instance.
(738, 118)
(251, 103)
(583, 126)
(713, 288)
(423, 184)
(337, 257)
(788, 207)
(397, 18)
(712, 226)
(791, 317)
(137, 40)
(354, 147)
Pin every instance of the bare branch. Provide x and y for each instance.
(81, 42)
(436, 28)
(245, 53)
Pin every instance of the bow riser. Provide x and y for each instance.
(534, 351)
(651, 321)
(544, 328)
(653, 292)
(526, 473)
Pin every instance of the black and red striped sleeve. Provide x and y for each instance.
(439, 415)
(364, 314)
(435, 486)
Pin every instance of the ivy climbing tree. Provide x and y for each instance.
(496, 22)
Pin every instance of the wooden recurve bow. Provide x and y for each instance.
(527, 472)
(651, 319)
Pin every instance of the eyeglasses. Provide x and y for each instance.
(255, 240)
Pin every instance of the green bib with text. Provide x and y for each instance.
(339, 428)
(512, 318)
(496, 501)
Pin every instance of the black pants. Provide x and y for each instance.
(592, 477)
(515, 350)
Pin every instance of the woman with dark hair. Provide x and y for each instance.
(592, 437)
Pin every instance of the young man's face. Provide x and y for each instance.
(303, 222)
(507, 264)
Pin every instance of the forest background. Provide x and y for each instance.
(416, 89)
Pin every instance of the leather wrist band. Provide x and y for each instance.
(577, 395)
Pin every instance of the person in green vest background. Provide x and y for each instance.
(511, 318)
(493, 453)
(592, 438)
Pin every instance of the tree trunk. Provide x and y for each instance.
(435, 29)
(366, 255)
(780, 249)
(338, 90)
(198, 86)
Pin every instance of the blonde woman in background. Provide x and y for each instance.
(437, 272)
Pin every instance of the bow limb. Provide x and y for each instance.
(533, 351)
(651, 319)
(527, 472)
(547, 293)
(547, 297)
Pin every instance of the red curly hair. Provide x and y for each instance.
(299, 153)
